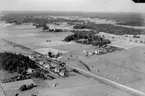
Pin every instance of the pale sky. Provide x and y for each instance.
(72, 5)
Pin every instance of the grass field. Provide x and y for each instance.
(125, 45)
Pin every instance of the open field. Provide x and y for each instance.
(90, 90)
(124, 67)
(46, 50)
(12, 88)
(16, 85)
(54, 43)
(96, 61)
(6, 75)
(125, 44)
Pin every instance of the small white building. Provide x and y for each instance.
(59, 57)
(56, 70)
(41, 62)
(90, 53)
(29, 71)
(96, 52)
(61, 73)
(46, 66)
(30, 56)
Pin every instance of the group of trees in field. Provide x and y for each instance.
(47, 29)
(84, 31)
(83, 26)
(27, 87)
(43, 25)
(12, 62)
(87, 38)
(55, 30)
(109, 28)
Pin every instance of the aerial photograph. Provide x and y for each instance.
(72, 48)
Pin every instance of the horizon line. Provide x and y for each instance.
(68, 11)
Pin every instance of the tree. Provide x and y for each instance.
(23, 88)
(50, 54)
(16, 94)
(45, 27)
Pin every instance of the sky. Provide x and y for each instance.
(72, 5)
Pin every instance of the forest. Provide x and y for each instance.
(132, 23)
(15, 18)
(87, 38)
(109, 28)
(12, 62)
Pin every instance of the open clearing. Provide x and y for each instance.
(16, 85)
(125, 45)
(46, 50)
(54, 43)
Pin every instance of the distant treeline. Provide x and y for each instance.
(33, 19)
(109, 28)
(132, 23)
(87, 38)
(12, 62)
(133, 19)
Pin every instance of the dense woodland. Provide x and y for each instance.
(109, 28)
(19, 19)
(87, 38)
(15, 62)
(132, 23)
(130, 19)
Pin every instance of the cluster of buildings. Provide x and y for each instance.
(47, 70)
(95, 52)
(101, 50)
(58, 70)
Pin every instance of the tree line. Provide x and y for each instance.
(17, 18)
(12, 62)
(109, 28)
(132, 23)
